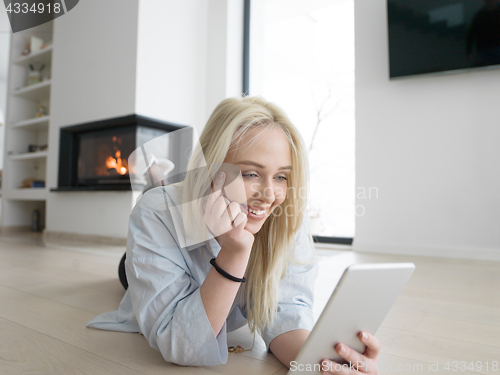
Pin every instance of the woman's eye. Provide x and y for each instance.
(282, 178)
(250, 175)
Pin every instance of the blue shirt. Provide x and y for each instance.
(163, 299)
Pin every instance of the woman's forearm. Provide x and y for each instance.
(217, 292)
(286, 346)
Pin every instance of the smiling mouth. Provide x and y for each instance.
(257, 212)
(253, 212)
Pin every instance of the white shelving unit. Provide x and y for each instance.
(24, 128)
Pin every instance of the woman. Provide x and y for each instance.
(263, 269)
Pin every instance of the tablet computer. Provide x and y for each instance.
(360, 302)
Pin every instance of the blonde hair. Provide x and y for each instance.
(229, 122)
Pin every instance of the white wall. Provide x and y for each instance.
(224, 51)
(171, 69)
(190, 57)
(94, 69)
(429, 146)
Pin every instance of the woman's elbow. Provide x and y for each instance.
(181, 353)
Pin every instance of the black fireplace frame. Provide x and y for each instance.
(67, 178)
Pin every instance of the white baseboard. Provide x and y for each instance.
(14, 230)
(54, 237)
(331, 246)
(428, 251)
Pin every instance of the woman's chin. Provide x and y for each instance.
(253, 227)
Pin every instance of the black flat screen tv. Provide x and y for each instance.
(430, 36)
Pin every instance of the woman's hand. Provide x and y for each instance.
(357, 363)
(226, 220)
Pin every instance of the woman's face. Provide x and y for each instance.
(265, 161)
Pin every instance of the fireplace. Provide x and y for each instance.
(94, 156)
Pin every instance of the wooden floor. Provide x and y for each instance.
(449, 311)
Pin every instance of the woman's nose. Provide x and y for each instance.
(266, 191)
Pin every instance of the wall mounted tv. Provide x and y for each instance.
(429, 36)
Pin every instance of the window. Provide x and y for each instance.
(301, 56)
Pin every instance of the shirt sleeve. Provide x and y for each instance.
(165, 297)
(296, 291)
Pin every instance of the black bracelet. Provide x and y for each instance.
(225, 274)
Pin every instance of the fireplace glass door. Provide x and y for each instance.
(103, 155)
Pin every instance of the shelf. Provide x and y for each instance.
(32, 123)
(28, 194)
(37, 91)
(37, 57)
(29, 155)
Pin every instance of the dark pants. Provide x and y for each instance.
(121, 272)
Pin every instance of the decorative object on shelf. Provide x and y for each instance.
(41, 111)
(14, 153)
(46, 45)
(26, 183)
(35, 44)
(35, 76)
(38, 184)
(35, 220)
(35, 148)
(32, 183)
(27, 51)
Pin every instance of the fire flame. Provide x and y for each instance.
(117, 163)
